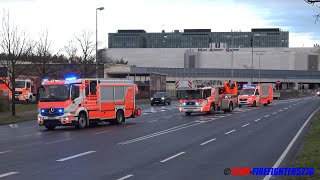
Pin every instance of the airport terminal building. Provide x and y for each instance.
(262, 55)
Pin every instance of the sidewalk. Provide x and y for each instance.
(19, 113)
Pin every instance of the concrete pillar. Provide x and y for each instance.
(296, 86)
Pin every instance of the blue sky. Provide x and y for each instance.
(65, 18)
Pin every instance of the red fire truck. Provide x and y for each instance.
(25, 90)
(205, 96)
(83, 102)
(256, 94)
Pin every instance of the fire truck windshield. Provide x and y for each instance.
(49, 93)
(20, 84)
(190, 94)
(247, 92)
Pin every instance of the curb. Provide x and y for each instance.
(15, 122)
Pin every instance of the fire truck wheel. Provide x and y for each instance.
(212, 109)
(50, 127)
(119, 118)
(169, 102)
(82, 121)
(188, 113)
(254, 104)
(231, 107)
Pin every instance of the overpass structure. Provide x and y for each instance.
(289, 79)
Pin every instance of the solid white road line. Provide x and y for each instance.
(267, 116)
(75, 156)
(183, 126)
(167, 117)
(169, 158)
(130, 126)
(230, 132)
(102, 132)
(6, 151)
(154, 120)
(257, 120)
(246, 125)
(8, 174)
(53, 142)
(125, 177)
(208, 141)
(285, 152)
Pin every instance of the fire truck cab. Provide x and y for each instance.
(84, 102)
(207, 97)
(256, 94)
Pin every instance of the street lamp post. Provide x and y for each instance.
(231, 56)
(97, 64)
(259, 65)
(252, 58)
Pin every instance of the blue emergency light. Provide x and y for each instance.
(71, 78)
(45, 79)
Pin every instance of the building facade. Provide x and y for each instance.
(199, 38)
(224, 58)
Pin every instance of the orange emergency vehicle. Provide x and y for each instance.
(25, 89)
(256, 94)
(204, 96)
(84, 102)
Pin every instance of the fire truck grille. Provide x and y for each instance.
(243, 99)
(191, 103)
(52, 112)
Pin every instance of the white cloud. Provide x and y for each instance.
(65, 18)
(302, 40)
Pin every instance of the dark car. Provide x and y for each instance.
(161, 98)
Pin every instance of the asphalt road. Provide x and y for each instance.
(161, 144)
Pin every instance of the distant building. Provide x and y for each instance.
(199, 38)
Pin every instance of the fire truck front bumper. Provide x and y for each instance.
(245, 102)
(64, 120)
(191, 109)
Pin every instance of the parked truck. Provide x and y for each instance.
(83, 102)
(254, 95)
(25, 88)
(206, 97)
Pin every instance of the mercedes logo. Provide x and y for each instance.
(51, 111)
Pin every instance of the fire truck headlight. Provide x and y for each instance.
(184, 103)
(250, 99)
(60, 111)
(197, 104)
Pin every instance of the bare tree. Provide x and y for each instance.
(43, 55)
(16, 48)
(313, 3)
(71, 50)
(87, 56)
